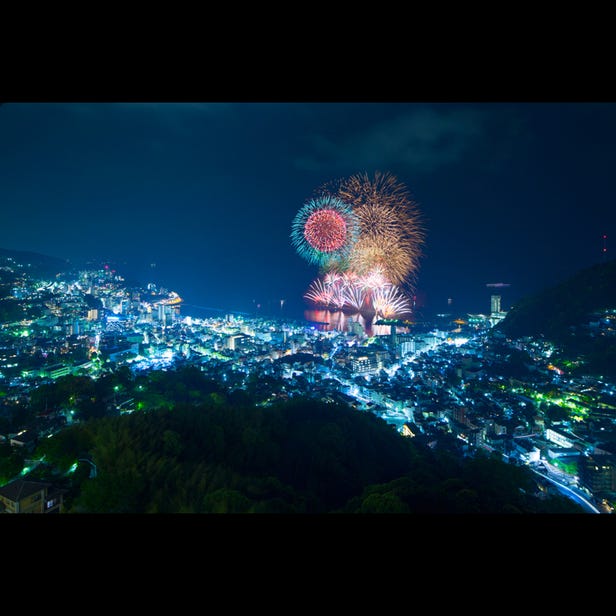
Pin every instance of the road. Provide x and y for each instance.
(568, 492)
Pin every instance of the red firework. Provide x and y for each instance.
(325, 230)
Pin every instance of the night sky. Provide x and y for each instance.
(519, 193)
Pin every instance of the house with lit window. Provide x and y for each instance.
(24, 438)
(22, 496)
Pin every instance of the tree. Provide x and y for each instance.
(383, 503)
(172, 443)
(226, 500)
(11, 462)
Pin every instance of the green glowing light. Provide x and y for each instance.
(73, 468)
(25, 470)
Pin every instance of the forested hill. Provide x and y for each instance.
(561, 314)
(302, 456)
(32, 263)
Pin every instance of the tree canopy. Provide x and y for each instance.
(300, 456)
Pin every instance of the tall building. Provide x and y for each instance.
(598, 473)
(393, 338)
(235, 341)
(405, 344)
(496, 314)
(355, 327)
(370, 362)
(162, 315)
(167, 313)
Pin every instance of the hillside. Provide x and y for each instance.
(562, 314)
(32, 263)
(301, 456)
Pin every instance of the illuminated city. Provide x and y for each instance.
(450, 376)
(194, 319)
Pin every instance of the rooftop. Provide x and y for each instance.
(21, 488)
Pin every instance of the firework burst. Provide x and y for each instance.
(366, 235)
(324, 231)
(332, 278)
(319, 293)
(354, 298)
(390, 230)
(389, 302)
(374, 279)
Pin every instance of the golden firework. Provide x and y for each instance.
(390, 230)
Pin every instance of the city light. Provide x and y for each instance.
(424, 379)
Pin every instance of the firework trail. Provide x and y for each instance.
(319, 293)
(389, 302)
(354, 298)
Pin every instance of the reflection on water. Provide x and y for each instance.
(326, 320)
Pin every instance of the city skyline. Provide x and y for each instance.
(201, 196)
(89, 344)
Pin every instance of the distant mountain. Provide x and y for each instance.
(562, 314)
(34, 263)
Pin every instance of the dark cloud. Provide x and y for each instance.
(178, 118)
(141, 107)
(423, 139)
(516, 192)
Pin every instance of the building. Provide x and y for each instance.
(458, 413)
(405, 345)
(24, 438)
(167, 313)
(409, 429)
(527, 451)
(21, 496)
(371, 362)
(478, 321)
(562, 439)
(496, 313)
(598, 473)
(55, 371)
(356, 328)
(236, 341)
